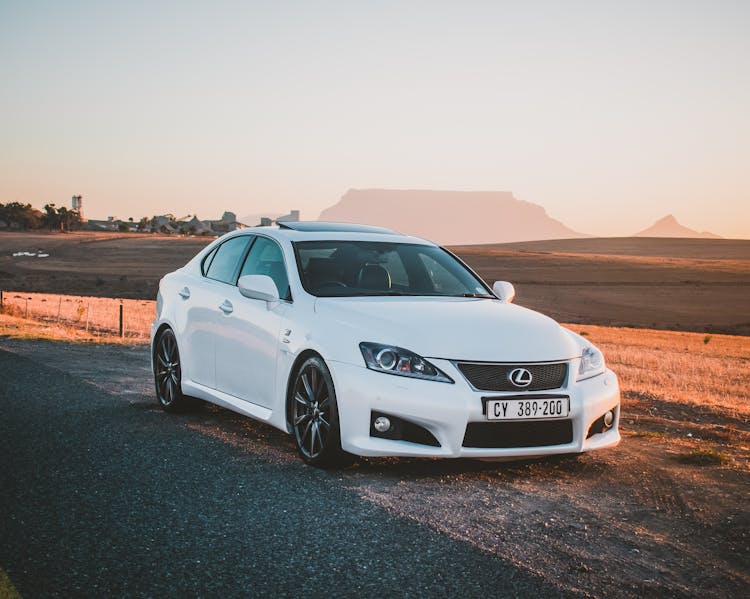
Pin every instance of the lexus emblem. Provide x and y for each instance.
(520, 377)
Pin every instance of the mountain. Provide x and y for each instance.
(669, 227)
(449, 217)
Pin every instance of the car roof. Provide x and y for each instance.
(323, 231)
(328, 227)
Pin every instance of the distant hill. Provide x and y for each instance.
(669, 227)
(449, 217)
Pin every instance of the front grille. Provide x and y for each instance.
(495, 377)
(505, 435)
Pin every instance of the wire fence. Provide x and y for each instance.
(96, 315)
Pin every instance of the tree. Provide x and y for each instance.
(60, 218)
(50, 218)
(20, 216)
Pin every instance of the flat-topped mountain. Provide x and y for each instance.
(669, 227)
(449, 217)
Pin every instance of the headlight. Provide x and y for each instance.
(401, 362)
(592, 363)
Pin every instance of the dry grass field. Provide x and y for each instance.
(93, 264)
(97, 316)
(700, 285)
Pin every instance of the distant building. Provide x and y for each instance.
(292, 217)
(167, 223)
(77, 205)
(227, 223)
(196, 227)
(164, 224)
(267, 221)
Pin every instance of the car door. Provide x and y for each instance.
(203, 307)
(248, 337)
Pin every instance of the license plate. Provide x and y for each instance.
(527, 409)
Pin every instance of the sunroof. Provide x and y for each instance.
(322, 227)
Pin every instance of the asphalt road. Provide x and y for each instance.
(100, 496)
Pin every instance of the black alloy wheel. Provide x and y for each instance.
(313, 414)
(167, 372)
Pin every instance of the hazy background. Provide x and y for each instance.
(608, 114)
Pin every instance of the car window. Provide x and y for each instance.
(226, 261)
(265, 258)
(394, 264)
(357, 268)
(443, 281)
(207, 261)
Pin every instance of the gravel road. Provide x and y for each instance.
(102, 494)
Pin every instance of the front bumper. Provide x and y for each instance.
(445, 410)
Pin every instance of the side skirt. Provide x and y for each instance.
(230, 402)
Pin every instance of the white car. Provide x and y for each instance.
(361, 341)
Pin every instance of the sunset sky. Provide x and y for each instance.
(609, 114)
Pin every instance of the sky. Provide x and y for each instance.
(609, 114)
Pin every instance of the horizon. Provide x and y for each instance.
(609, 117)
(250, 221)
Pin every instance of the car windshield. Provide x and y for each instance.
(365, 268)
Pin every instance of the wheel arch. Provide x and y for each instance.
(298, 362)
(162, 327)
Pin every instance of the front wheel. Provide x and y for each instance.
(313, 414)
(168, 372)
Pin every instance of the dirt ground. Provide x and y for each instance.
(684, 285)
(677, 284)
(97, 264)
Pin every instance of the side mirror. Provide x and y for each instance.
(259, 287)
(504, 291)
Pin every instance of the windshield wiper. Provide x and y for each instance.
(378, 293)
(482, 295)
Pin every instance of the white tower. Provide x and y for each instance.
(78, 205)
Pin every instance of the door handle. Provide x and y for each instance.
(185, 293)
(226, 307)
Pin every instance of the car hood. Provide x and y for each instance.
(473, 329)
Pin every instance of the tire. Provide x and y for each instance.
(314, 418)
(168, 373)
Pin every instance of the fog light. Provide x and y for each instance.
(382, 424)
(609, 418)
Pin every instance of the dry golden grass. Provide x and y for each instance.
(677, 367)
(95, 315)
(15, 327)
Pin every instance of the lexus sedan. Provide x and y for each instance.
(360, 341)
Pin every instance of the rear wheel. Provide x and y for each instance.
(313, 413)
(168, 372)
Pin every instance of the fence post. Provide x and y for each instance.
(122, 329)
